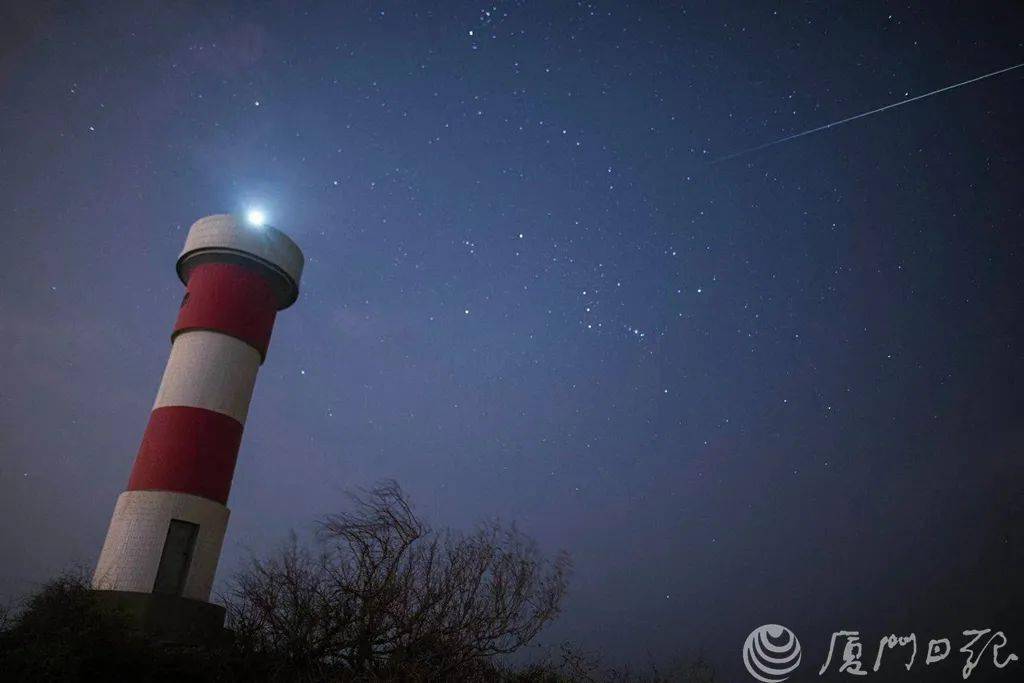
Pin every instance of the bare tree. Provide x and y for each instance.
(382, 592)
(571, 663)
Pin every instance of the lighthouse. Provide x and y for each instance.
(161, 551)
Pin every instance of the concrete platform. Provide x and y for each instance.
(167, 618)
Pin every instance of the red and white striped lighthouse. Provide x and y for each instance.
(165, 536)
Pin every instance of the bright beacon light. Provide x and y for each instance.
(256, 218)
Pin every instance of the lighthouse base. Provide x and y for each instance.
(167, 618)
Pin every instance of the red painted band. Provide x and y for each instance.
(230, 298)
(186, 449)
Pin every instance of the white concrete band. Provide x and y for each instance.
(224, 232)
(135, 541)
(209, 370)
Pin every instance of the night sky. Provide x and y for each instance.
(783, 388)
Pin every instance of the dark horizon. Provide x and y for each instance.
(783, 388)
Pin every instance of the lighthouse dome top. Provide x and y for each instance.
(226, 237)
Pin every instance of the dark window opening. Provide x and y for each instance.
(176, 558)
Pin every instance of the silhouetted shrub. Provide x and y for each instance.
(383, 594)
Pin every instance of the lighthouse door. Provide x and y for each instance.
(177, 556)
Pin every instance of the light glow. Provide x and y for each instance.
(256, 218)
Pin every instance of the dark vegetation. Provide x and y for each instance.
(378, 595)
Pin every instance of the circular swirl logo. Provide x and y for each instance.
(771, 652)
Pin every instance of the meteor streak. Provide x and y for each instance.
(867, 113)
